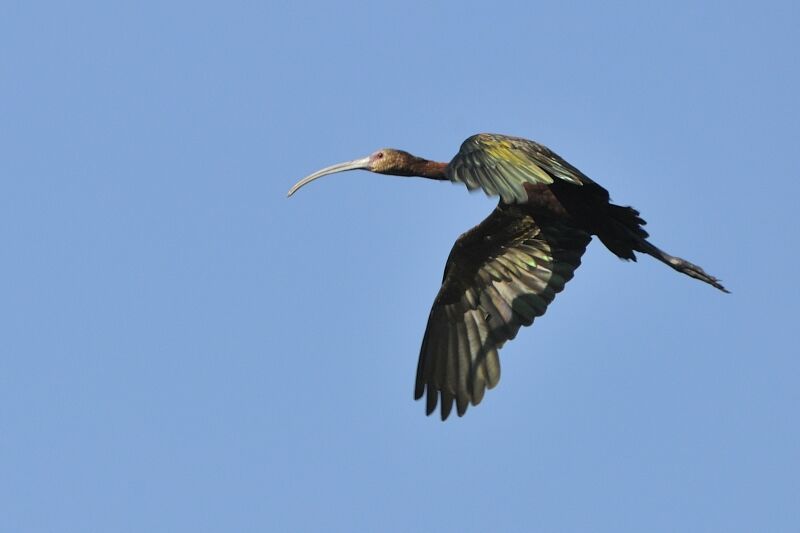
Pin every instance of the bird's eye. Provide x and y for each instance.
(379, 155)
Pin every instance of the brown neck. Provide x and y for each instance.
(428, 169)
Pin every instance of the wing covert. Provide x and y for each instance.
(501, 165)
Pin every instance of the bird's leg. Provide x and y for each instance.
(681, 265)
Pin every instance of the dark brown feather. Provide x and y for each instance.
(500, 276)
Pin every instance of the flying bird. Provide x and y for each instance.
(504, 272)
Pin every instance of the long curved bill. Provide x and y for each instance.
(356, 164)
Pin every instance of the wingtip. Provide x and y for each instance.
(418, 392)
(430, 402)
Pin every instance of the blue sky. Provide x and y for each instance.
(185, 349)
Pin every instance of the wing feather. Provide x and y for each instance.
(501, 165)
(500, 276)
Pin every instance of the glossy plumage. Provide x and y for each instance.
(502, 165)
(503, 273)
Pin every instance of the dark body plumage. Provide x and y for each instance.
(503, 273)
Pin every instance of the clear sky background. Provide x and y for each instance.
(185, 349)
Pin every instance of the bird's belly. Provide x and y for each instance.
(542, 202)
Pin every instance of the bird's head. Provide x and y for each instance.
(391, 161)
(383, 161)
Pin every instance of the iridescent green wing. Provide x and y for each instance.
(499, 277)
(501, 165)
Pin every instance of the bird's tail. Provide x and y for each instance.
(623, 235)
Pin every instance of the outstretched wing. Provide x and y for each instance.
(501, 165)
(499, 276)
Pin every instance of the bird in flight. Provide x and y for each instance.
(504, 272)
